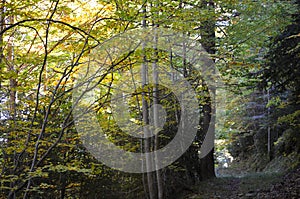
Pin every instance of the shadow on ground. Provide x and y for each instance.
(250, 185)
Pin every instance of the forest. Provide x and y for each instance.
(149, 99)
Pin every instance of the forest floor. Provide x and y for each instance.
(250, 185)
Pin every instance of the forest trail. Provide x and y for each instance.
(251, 185)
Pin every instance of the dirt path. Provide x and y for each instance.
(254, 185)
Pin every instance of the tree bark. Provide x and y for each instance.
(147, 141)
(156, 116)
(12, 80)
(208, 43)
(207, 168)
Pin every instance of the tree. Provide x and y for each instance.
(281, 78)
(248, 43)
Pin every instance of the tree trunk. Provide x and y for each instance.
(155, 116)
(12, 80)
(147, 141)
(208, 43)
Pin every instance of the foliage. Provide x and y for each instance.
(271, 109)
(43, 44)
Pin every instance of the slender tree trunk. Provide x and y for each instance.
(147, 144)
(155, 115)
(12, 93)
(12, 80)
(269, 128)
